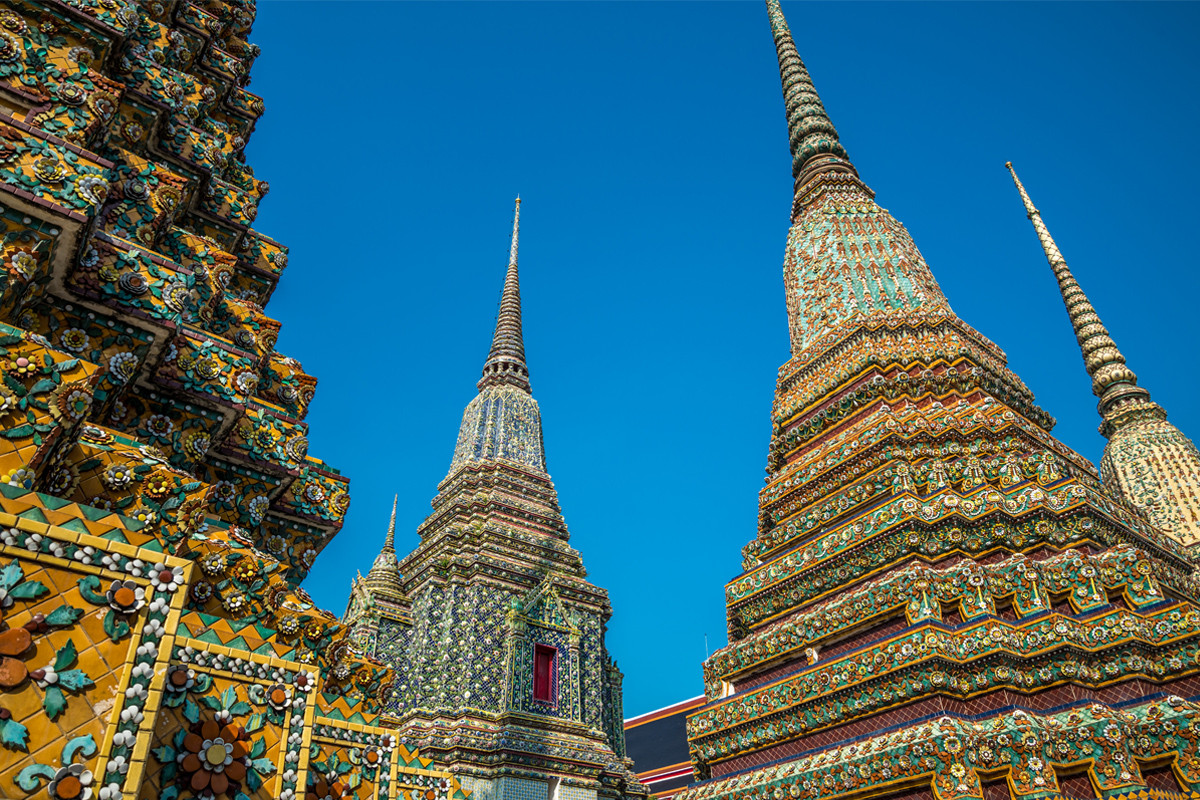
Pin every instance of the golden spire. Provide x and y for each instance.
(1148, 462)
(1112, 381)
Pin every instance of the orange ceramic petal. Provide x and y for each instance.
(12, 672)
(15, 641)
(219, 783)
(199, 781)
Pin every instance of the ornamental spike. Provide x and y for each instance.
(506, 360)
(1112, 381)
(385, 570)
(389, 541)
(811, 135)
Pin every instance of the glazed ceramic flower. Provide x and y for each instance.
(196, 444)
(23, 262)
(372, 757)
(201, 591)
(125, 597)
(278, 697)
(164, 578)
(246, 382)
(72, 782)
(74, 340)
(19, 477)
(245, 570)
(304, 681)
(143, 515)
(212, 564)
(159, 425)
(258, 507)
(180, 679)
(157, 486)
(224, 491)
(71, 402)
(117, 476)
(122, 366)
(215, 757)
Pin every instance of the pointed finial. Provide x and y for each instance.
(385, 570)
(811, 135)
(512, 248)
(506, 360)
(389, 541)
(1112, 381)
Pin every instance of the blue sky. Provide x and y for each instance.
(648, 143)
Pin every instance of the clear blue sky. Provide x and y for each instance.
(647, 141)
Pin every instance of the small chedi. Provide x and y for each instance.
(494, 633)
(943, 600)
(158, 506)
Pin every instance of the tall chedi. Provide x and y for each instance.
(158, 503)
(941, 600)
(1147, 461)
(503, 674)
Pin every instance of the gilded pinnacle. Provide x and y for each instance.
(505, 363)
(1112, 381)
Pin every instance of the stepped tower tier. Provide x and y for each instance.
(159, 506)
(941, 597)
(503, 673)
(1148, 462)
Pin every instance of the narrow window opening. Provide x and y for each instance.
(543, 673)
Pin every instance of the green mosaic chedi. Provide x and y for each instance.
(942, 600)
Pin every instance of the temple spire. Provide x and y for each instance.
(1112, 381)
(811, 135)
(385, 571)
(505, 363)
(389, 541)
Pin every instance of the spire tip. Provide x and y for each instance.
(1114, 383)
(811, 135)
(506, 360)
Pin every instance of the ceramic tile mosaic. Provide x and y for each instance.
(158, 504)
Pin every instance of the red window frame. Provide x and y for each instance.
(545, 660)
